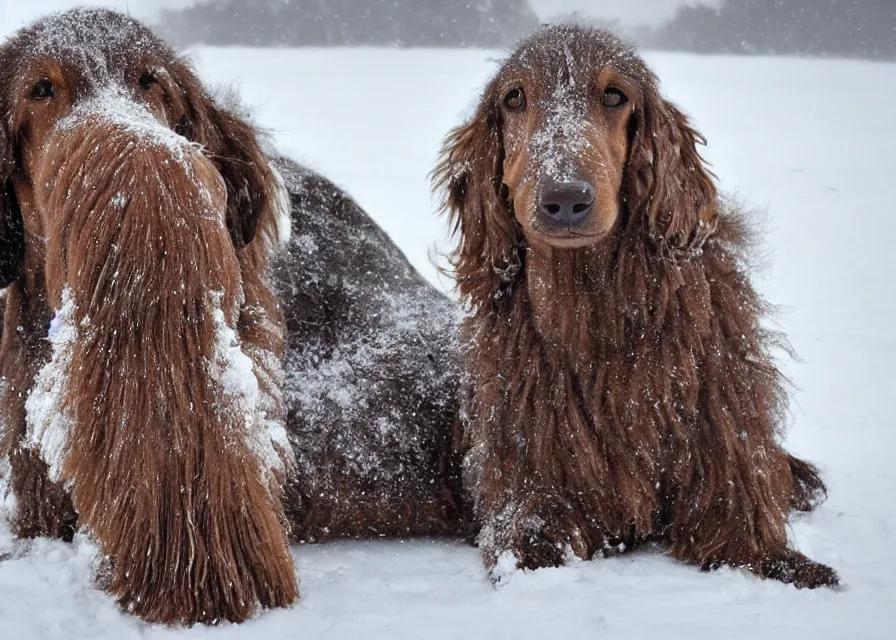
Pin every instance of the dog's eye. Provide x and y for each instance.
(515, 100)
(147, 81)
(614, 98)
(43, 90)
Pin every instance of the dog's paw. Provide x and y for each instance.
(790, 568)
(538, 534)
(532, 550)
(538, 550)
(796, 569)
(505, 567)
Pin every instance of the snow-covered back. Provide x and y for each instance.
(778, 137)
(371, 370)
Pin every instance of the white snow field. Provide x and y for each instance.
(810, 141)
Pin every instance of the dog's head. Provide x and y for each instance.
(98, 68)
(571, 144)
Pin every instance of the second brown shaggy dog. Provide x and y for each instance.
(149, 407)
(622, 384)
(143, 396)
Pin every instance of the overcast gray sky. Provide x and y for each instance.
(15, 13)
(627, 11)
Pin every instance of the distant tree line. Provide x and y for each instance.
(411, 23)
(852, 28)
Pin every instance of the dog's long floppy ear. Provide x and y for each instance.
(487, 261)
(667, 180)
(232, 144)
(12, 233)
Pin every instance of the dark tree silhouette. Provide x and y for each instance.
(486, 23)
(855, 28)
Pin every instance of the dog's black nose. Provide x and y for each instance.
(567, 204)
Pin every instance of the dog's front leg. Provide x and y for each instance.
(41, 506)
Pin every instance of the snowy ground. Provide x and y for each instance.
(813, 142)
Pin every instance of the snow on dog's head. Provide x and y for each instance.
(102, 63)
(117, 195)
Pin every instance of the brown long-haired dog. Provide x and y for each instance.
(137, 216)
(622, 385)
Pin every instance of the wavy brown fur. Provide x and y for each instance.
(153, 239)
(193, 530)
(622, 389)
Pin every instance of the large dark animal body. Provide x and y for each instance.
(143, 218)
(371, 381)
(622, 385)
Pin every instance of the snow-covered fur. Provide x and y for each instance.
(141, 346)
(154, 390)
(623, 387)
(371, 376)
